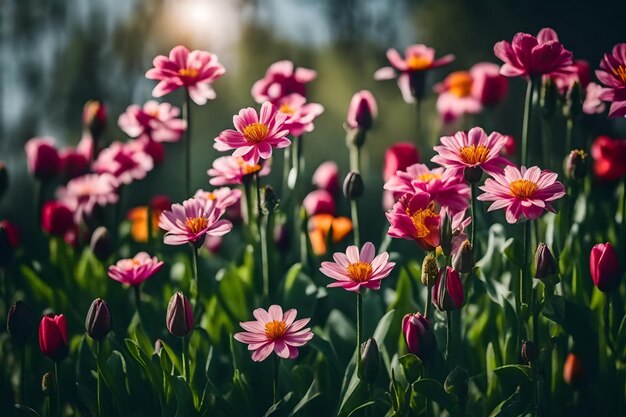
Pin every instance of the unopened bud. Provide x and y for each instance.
(529, 351)
(576, 164)
(445, 240)
(20, 321)
(370, 361)
(270, 201)
(430, 269)
(158, 345)
(545, 265)
(463, 258)
(179, 318)
(102, 243)
(473, 175)
(47, 384)
(98, 320)
(353, 186)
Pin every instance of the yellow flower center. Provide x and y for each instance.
(255, 132)
(248, 169)
(210, 196)
(275, 329)
(287, 109)
(196, 224)
(460, 83)
(523, 188)
(360, 271)
(620, 72)
(417, 62)
(188, 72)
(473, 154)
(419, 219)
(428, 177)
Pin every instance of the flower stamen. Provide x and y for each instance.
(419, 219)
(460, 83)
(474, 154)
(196, 225)
(188, 72)
(620, 72)
(523, 188)
(428, 177)
(255, 132)
(417, 62)
(359, 271)
(275, 329)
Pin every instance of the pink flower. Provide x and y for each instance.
(282, 79)
(274, 331)
(191, 221)
(195, 70)
(508, 149)
(73, 162)
(411, 69)
(319, 201)
(580, 73)
(398, 157)
(300, 114)
(326, 177)
(42, 158)
(154, 150)
(612, 74)
(229, 170)
(224, 197)
(471, 150)
(82, 194)
(156, 121)
(445, 188)
(415, 217)
(362, 111)
(526, 193)
(134, 271)
(451, 296)
(125, 161)
(488, 85)
(593, 103)
(256, 135)
(528, 55)
(355, 270)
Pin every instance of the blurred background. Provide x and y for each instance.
(57, 54)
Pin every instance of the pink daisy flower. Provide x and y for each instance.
(83, 193)
(527, 55)
(300, 114)
(445, 188)
(195, 70)
(191, 221)
(473, 149)
(415, 217)
(274, 331)
(135, 270)
(224, 197)
(411, 69)
(229, 170)
(256, 135)
(355, 270)
(525, 194)
(281, 79)
(125, 161)
(156, 121)
(612, 74)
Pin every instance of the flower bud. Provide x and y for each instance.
(179, 317)
(398, 157)
(19, 322)
(269, 202)
(418, 335)
(573, 370)
(448, 290)
(430, 269)
(548, 98)
(158, 346)
(457, 382)
(604, 266)
(445, 231)
(463, 258)
(98, 320)
(545, 265)
(319, 201)
(362, 110)
(473, 175)
(53, 337)
(102, 244)
(4, 178)
(529, 352)
(42, 158)
(576, 164)
(47, 384)
(370, 361)
(95, 118)
(353, 186)
(56, 218)
(326, 177)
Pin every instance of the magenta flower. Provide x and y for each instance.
(411, 69)
(528, 56)
(300, 114)
(593, 103)
(525, 194)
(156, 121)
(362, 110)
(326, 177)
(229, 170)
(450, 296)
(195, 70)
(358, 269)
(580, 73)
(224, 197)
(415, 217)
(445, 188)
(319, 201)
(612, 74)
(125, 161)
(473, 149)
(256, 135)
(191, 221)
(281, 79)
(273, 331)
(42, 158)
(135, 270)
(83, 193)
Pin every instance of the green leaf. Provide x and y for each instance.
(184, 397)
(511, 407)
(40, 289)
(412, 366)
(114, 376)
(279, 405)
(325, 348)
(491, 365)
(514, 375)
(88, 398)
(312, 393)
(433, 390)
(620, 342)
(360, 407)
(514, 252)
(28, 410)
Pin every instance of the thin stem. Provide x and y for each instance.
(355, 222)
(473, 213)
(607, 323)
(359, 329)
(276, 388)
(23, 375)
(448, 338)
(570, 134)
(248, 214)
(259, 211)
(623, 214)
(286, 169)
(137, 293)
(429, 295)
(57, 388)
(527, 118)
(418, 120)
(187, 117)
(265, 261)
(536, 387)
(185, 358)
(193, 287)
(98, 389)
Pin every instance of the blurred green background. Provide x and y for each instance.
(57, 54)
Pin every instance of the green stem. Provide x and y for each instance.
(355, 222)
(137, 293)
(606, 322)
(265, 261)
(185, 358)
(23, 399)
(448, 338)
(187, 118)
(527, 118)
(418, 121)
(249, 211)
(98, 387)
(525, 282)
(359, 329)
(57, 388)
(570, 134)
(473, 213)
(276, 388)
(429, 295)
(193, 287)
(259, 211)
(286, 169)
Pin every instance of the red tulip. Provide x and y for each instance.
(608, 158)
(418, 335)
(12, 233)
(604, 267)
(43, 158)
(451, 296)
(398, 157)
(53, 336)
(57, 218)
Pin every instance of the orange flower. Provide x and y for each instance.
(138, 217)
(319, 227)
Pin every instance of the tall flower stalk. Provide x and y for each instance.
(187, 119)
